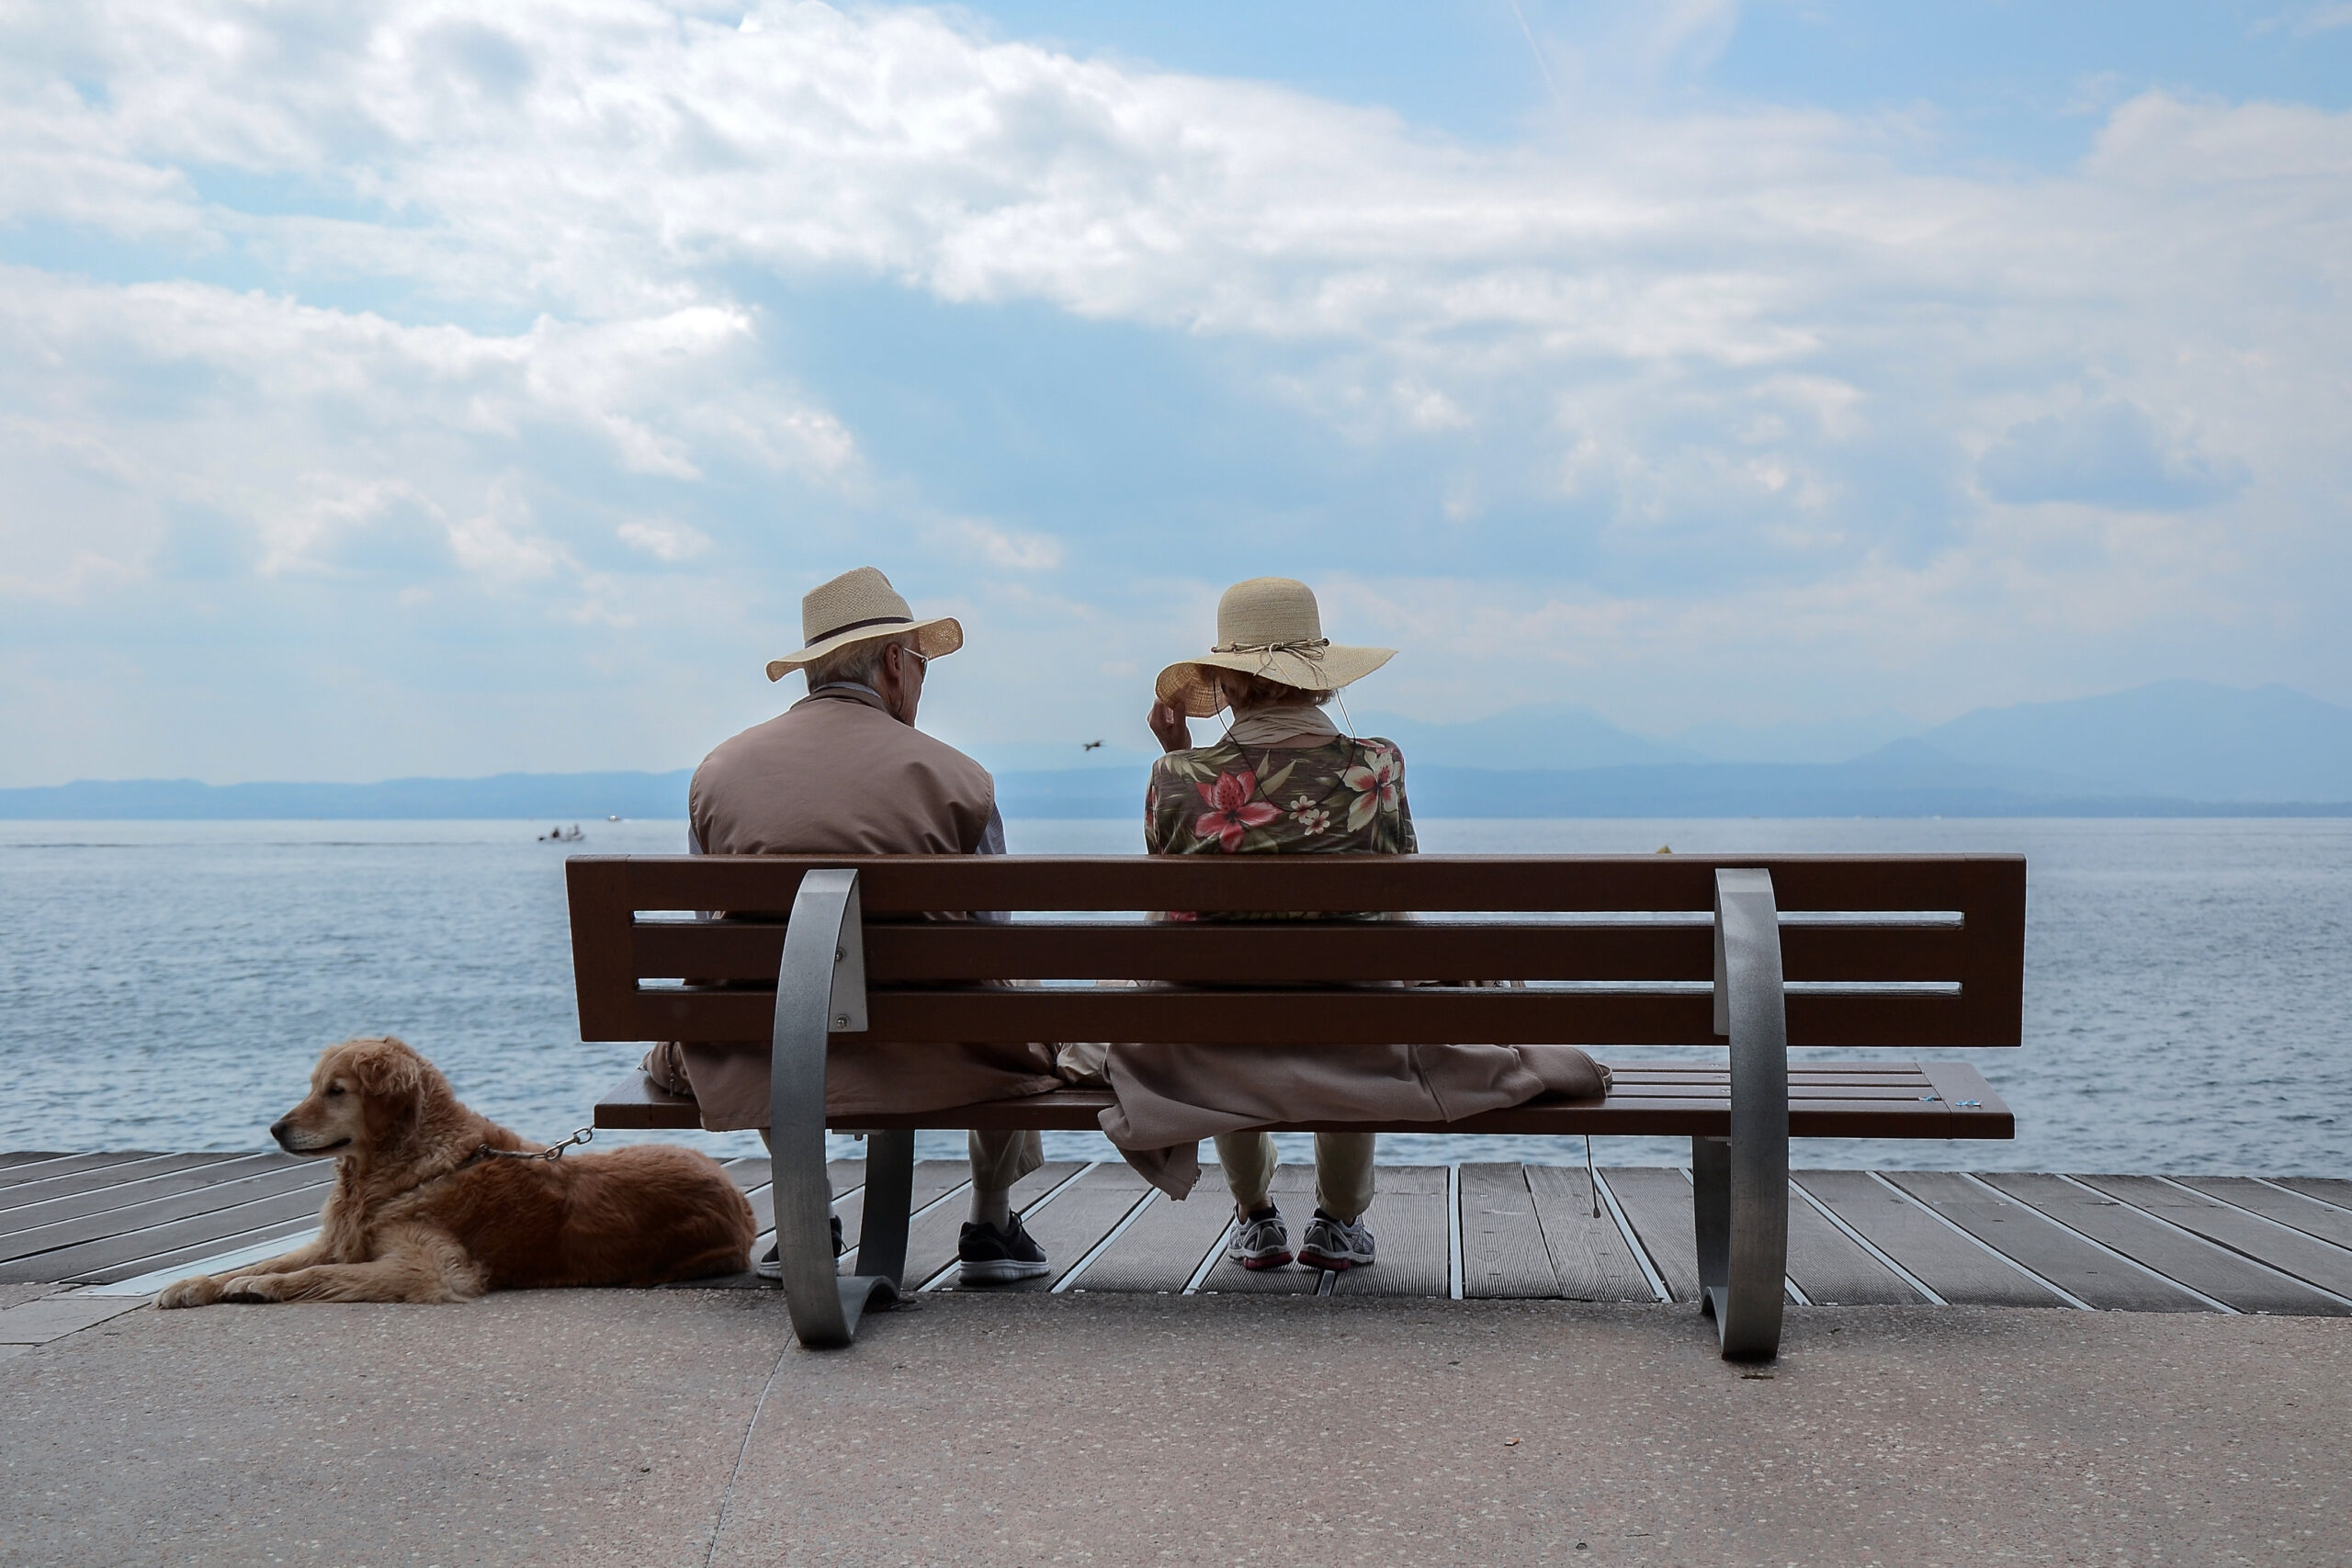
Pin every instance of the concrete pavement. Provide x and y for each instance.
(586, 1427)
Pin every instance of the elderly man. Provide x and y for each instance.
(845, 771)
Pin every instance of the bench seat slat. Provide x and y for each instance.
(1816, 1109)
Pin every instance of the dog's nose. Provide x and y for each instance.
(277, 1131)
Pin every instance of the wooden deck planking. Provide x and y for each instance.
(1161, 1251)
(2278, 1246)
(1954, 1267)
(1080, 1216)
(1524, 1231)
(136, 1252)
(1832, 1270)
(1590, 1261)
(1658, 1203)
(2187, 1260)
(2014, 1229)
(40, 1165)
(1411, 1218)
(2308, 1215)
(193, 1173)
(1825, 1264)
(288, 1231)
(1503, 1253)
(186, 1243)
(2326, 1188)
(83, 1173)
(237, 1189)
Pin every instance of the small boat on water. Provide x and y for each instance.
(570, 835)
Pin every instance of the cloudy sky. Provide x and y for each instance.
(394, 387)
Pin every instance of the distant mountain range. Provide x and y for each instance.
(575, 797)
(2177, 747)
(2185, 739)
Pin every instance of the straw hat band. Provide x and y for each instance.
(1306, 648)
(861, 626)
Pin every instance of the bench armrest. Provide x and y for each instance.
(1741, 1183)
(821, 991)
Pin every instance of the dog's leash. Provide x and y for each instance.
(553, 1151)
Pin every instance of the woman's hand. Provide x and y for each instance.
(1168, 728)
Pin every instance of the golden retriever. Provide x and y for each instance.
(420, 1214)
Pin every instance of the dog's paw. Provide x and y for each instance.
(251, 1287)
(199, 1289)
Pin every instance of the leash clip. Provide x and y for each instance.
(552, 1151)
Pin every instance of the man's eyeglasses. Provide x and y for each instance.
(922, 662)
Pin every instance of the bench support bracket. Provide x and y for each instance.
(821, 991)
(1740, 1204)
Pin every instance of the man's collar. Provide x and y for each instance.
(849, 691)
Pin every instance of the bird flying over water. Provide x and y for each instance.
(1090, 746)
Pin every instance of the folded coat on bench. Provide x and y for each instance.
(1171, 1097)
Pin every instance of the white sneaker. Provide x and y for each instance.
(1336, 1244)
(1260, 1243)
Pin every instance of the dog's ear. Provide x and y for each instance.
(385, 1069)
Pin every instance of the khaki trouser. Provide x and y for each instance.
(1001, 1158)
(1343, 1170)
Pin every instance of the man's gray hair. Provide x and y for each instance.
(859, 664)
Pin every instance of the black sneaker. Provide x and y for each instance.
(993, 1257)
(771, 1263)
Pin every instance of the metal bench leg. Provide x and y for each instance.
(889, 1194)
(1711, 1215)
(1740, 1198)
(819, 991)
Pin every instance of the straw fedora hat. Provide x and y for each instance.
(858, 606)
(1269, 626)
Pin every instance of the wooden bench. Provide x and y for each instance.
(1889, 952)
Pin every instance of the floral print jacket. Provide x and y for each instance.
(1346, 795)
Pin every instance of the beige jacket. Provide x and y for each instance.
(836, 774)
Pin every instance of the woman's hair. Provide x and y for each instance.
(1241, 691)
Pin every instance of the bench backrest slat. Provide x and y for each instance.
(744, 950)
(1949, 929)
(899, 885)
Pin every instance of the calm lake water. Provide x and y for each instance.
(166, 985)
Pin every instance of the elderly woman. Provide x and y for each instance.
(1284, 779)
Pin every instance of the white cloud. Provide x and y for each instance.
(1010, 549)
(1697, 389)
(2306, 20)
(342, 442)
(664, 539)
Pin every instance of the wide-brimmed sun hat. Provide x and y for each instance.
(858, 606)
(1269, 626)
